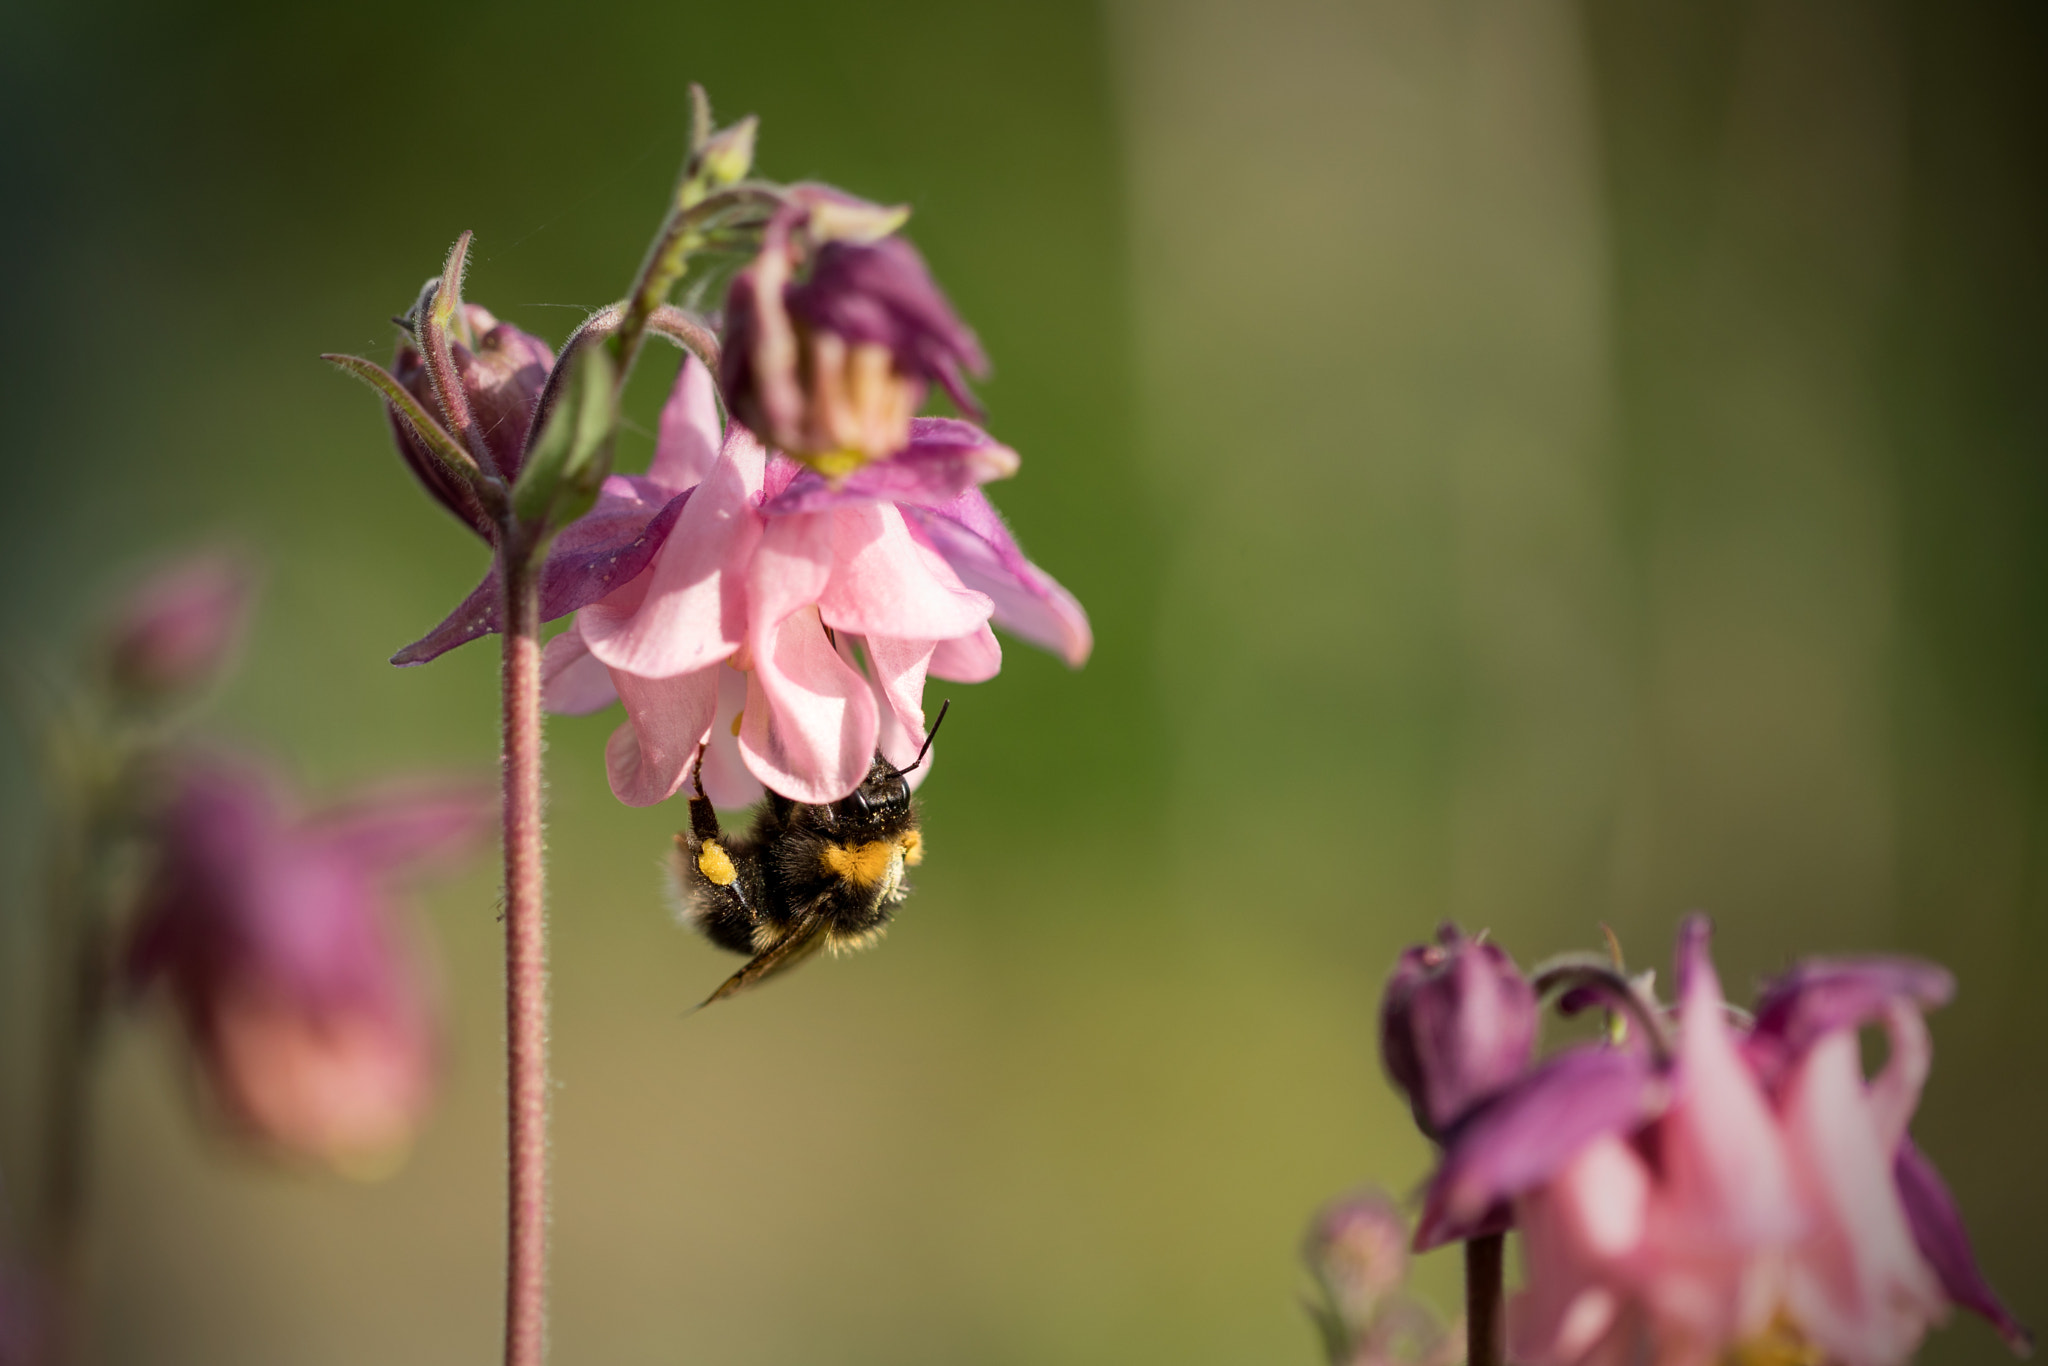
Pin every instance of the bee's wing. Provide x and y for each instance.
(799, 944)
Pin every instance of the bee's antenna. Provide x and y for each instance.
(929, 736)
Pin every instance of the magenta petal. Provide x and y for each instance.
(973, 658)
(1518, 1139)
(945, 458)
(691, 432)
(1938, 1230)
(649, 757)
(573, 681)
(693, 612)
(1816, 998)
(1028, 602)
(607, 546)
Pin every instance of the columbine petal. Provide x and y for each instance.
(1817, 998)
(399, 824)
(727, 780)
(1939, 1233)
(1526, 1133)
(693, 612)
(883, 585)
(606, 547)
(1028, 603)
(1575, 1231)
(899, 668)
(573, 681)
(973, 658)
(649, 757)
(945, 458)
(689, 442)
(810, 725)
(1856, 1285)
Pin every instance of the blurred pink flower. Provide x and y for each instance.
(177, 631)
(1750, 1193)
(276, 937)
(802, 616)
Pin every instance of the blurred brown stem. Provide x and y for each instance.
(526, 1002)
(1485, 1325)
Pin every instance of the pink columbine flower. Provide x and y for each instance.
(792, 621)
(1732, 1190)
(277, 939)
(835, 331)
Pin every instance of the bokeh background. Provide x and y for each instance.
(1533, 463)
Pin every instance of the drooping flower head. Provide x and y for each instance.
(742, 604)
(277, 939)
(1457, 1023)
(788, 623)
(1704, 1187)
(835, 331)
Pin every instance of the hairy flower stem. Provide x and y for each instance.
(1485, 1324)
(526, 969)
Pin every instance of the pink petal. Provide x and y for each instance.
(691, 431)
(883, 583)
(727, 780)
(649, 757)
(972, 658)
(408, 822)
(693, 612)
(1578, 1233)
(1727, 1180)
(1856, 1283)
(574, 682)
(810, 726)
(1028, 602)
(899, 669)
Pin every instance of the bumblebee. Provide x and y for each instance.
(804, 877)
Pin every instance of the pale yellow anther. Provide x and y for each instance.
(716, 865)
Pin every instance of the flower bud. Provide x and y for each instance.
(177, 632)
(728, 154)
(1357, 1249)
(834, 334)
(276, 938)
(1457, 1023)
(502, 376)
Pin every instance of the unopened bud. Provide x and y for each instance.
(728, 155)
(502, 377)
(1457, 1023)
(178, 631)
(1358, 1251)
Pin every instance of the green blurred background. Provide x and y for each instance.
(1535, 463)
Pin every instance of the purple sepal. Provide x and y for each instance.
(1938, 1231)
(881, 292)
(945, 458)
(1819, 997)
(969, 534)
(594, 554)
(1522, 1136)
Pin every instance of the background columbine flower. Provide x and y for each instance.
(275, 935)
(809, 612)
(1730, 1190)
(834, 332)
(177, 632)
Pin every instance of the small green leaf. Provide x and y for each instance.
(562, 474)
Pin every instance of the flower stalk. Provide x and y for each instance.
(1485, 1323)
(526, 968)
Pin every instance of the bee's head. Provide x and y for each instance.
(885, 793)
